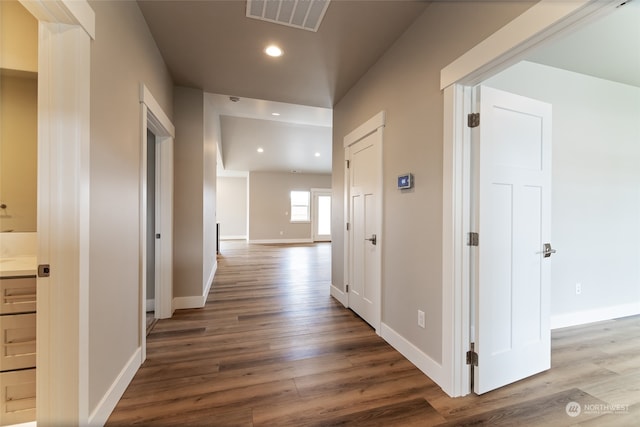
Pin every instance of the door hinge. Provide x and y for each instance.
(348, 164)
(473, 120)
(472, 356)
(474, 239)
(347, 226)
(347, 289)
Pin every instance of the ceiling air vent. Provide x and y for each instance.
(303, 14)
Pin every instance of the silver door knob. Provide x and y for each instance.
(547, 250)
(373, 239)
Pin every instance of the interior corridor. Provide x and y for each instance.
(272, 348)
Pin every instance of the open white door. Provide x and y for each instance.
(365, 218)
(512, 162)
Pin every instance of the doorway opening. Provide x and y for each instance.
(156, 213)
(504, 48)
(321, 214)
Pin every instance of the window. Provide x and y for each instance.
(300, 206)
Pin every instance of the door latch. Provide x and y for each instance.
(44, 270)
(547, 250)
(373, 239)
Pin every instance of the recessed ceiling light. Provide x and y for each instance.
(275, 114)
(260, 150)
(317, 154)
(273, 50)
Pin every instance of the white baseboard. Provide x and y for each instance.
(103, 410)
(279, 241)
(427, 365)
(196, 301)
(594, 315)
(340, 295)
(151, 305)
(233, 237)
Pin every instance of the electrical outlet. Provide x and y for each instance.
(578, 288)
(421, 318)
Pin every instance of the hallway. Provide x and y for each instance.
(272, 348)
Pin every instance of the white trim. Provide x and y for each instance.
(594, 315)
(421, 360)
(243, 237)
(103, 409)
(64, 62)
(339, 295)
(542, 23)
(197, 301)
(455, 256)
(279, 241)
(162, 123)
(539, 24)
(365, 129)
(153, 117)
(71, 12)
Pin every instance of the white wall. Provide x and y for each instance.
(122, 56)
(270, 205)
(232, 207)
(596, 182)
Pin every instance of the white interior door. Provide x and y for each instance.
(365, 171)
(512, 162)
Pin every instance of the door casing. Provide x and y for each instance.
(154, 119)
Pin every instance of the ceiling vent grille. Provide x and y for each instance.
(303, 14)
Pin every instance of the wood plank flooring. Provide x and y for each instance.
(272, 348)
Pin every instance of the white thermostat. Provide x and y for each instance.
(405, 181)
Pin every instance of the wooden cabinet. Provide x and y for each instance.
(17, 396)
(17, 350)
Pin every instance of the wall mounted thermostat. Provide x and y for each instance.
(405, 181)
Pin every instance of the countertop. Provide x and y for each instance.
(18, 266)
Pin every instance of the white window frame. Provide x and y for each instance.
(291, 206)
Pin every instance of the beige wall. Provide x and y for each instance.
(194, 195)
(18, 117)
(123, 55)
(18, 37)
(405, 84)
(187, 199)
(232, 207)
(18, 150)
(269, 204)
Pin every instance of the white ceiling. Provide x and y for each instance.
(213, 46)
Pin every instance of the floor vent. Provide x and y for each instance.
(303, 14)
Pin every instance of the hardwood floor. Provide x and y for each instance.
(272, 348)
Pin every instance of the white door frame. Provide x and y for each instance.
(315, 192)
(372, 125)
(153, 118)
(541, 24)
(65, 29)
